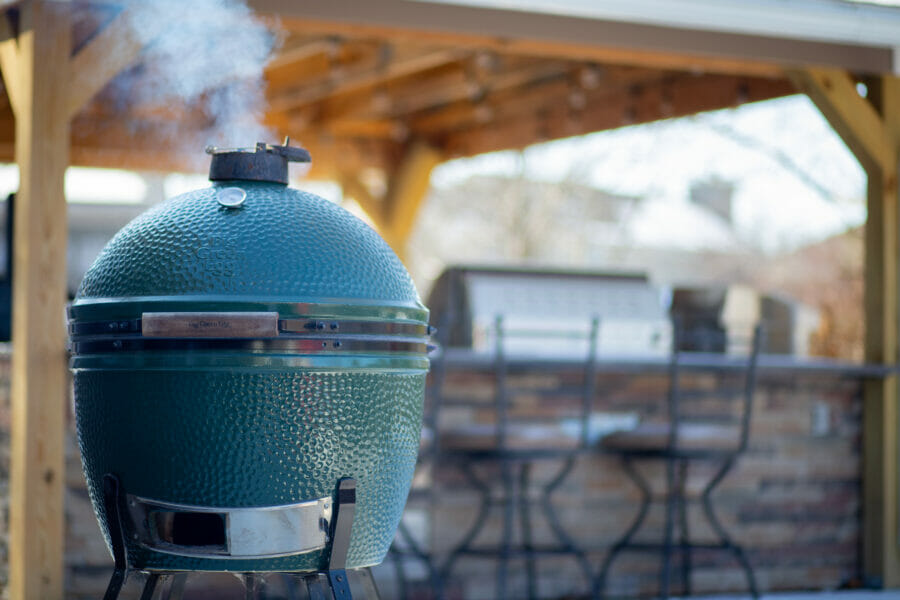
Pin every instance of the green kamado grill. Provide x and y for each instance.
(249, 370)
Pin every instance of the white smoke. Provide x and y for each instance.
(204, 57)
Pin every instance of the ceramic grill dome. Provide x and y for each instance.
(238, 351)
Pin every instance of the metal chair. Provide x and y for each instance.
(684, 439)
(494, 447)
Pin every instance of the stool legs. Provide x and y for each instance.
(525, 524)
(484, 508)
(724, 538)
(685, 544)
(625, 540)
(517, 482)
(675, 502)
(559, 531)
(672, 500)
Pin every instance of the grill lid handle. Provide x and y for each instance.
(265, 162)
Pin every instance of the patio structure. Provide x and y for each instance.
(381, 92)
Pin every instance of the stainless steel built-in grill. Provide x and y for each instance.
(548, 313)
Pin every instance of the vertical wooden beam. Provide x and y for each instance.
(39, 388)
(395, 214)
(881, 413)
(407, 189)
(871, 129)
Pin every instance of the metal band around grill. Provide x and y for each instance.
(257, 332)
(251, 324)
(231, 533)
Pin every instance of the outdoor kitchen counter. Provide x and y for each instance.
(792, 500)
(457, 358)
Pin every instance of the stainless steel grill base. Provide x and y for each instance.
(337, 583)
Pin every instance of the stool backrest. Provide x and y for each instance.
(709, 413)
(504, 395)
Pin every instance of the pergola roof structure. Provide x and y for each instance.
(381, 91)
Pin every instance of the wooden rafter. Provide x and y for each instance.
(404, 62)
(110, 52)
(303, 49)
(549, 111)
(425, 93)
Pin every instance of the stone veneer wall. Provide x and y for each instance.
(793, 499)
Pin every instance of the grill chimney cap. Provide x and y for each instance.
(265, 162)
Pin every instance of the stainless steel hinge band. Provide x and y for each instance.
(255, 332)
(231, 533)
(237, 325)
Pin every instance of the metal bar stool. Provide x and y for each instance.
(678, 443)
(516, 483)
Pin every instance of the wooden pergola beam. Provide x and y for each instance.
(46, 86)
(395, 214)
(871, 129)
(110, 52)
(39, 390)
(833, 91)
(407, 189)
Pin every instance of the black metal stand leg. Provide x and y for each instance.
(646, 498)
(720, 531)
(112, 504)
(686, 559)
(525, 522)
(561, 535)
(150, 586)
(473, 531)
(340, 544)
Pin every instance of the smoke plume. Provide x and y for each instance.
(202, 62)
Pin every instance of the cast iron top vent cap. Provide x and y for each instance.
(266, 162)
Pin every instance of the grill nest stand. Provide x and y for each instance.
(332, 584)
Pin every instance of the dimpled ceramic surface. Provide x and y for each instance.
(233, 429)
(281, 243)
(225, 438)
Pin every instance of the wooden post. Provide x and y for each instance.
(395, 214)
(46, 87)
(871, 128)
(38, 82)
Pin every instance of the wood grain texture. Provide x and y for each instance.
(871, 129)
(39, 382)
